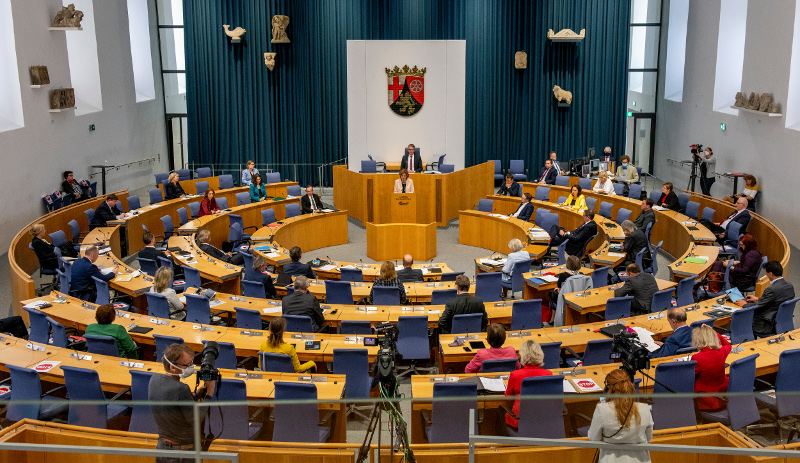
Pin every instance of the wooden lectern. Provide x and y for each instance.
(403, 208)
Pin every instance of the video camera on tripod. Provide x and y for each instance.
(627, 347)
(387, 352)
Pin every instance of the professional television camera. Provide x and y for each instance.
(208, 370)
(634, 355)
(387, 352)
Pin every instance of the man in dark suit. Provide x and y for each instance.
(510, 187)
(525, 209)
(203, 238)
(681, 334)
(548, 175)
(462, 304)
(416, 160)
(310, 202)
(647, 216)
(300, 302)
(149, 251)
(295, 267)
(740, 215)
(634, 242)
(578, 238)
(83, 270)
(408, 274)
(107, 210)
(641, 286)
(556, 164)
(779, 291)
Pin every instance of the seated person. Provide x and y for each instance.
(634, 242)
(173, 188)
(411, 161)
(641, 286)
(388, 277)
(518, 254)
(107, 210)
(626, 172)
(548, 174)
(680, 338)
(295, 267)
(510, 187)
(408, 274)
(709, 372)
(83, 269)
(208, 205)
(149, 251)
(404, 184)
(463, 303)
(647, 216)
(778, 292)
(668, 198)
(603, 185)
(257, 190)
(247, 174)
(573, 267)
(310, 202)
(15, 326)
(301, 302)
(274, 344)
(749, 192)
(70, 186)
(525, 209)
(576, 199)
(261, 275)
(495, 336)
(44, 251)
(740, 215)
(162, 284)
(531, 357)
(578, 238)
(744, 272)
(556, 165)
(204, 238)
(105, 315)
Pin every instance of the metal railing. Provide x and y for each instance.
(235, 169)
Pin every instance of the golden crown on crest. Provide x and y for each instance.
(406, 71)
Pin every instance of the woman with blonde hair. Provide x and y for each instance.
(531, 358)
(603, 185)
(749, 192)
(388, 277)
(173, 189)
(44, 251)
(274, 344)
(162, 284)
(621, 420)
(709, 372)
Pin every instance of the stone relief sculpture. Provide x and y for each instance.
(61, 98)
(773, 108)
(740, 101)
(269, 60)
(521, 60)
(753, 102)
(235, 35)
(765, 101)
(68, 17)
(566, 34)
(279, 25)
(39, 75)
(562, 95)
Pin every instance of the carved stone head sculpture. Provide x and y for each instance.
(269, 60)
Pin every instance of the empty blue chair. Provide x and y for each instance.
(227, 355)
(598, 352)
(254, 289)
(539, 417)
(498, 365)
(162, 179)
(635, 191)
(201, 188)
(155, 196)
(741, 410)
(439, 163)
(708, 214)
(540, 212)
(299, 324)
(104, 294)
(662, 300)
(294, 190)
(467, 323)
(542, 193)
(75, 230)
(742, 325)
(786, 401)
(194, 208)
(548, 221)
(683, 201)
(600, 277)
(674, 412)
(26, 386)
(184, 174)
(351, 274)
(498, 171)
(203, 172)
(162, 342)
(222, 202)
(784, 320)
(518, 170)
(63, 281)
(297, 422)
(231, 421)
(242, 198)
(272, 177)
(225, 182)
(279, 363)
(692, 209)
(485, 205)
(619, 188)
(89, 213)
(655, 195)
(102, 345)
(590, 203)
(618, 307)
(338, 292)
(386, 295)
(562, 180)
(447, 168)
(526, 315)
(191, 277)
(169, 226)
(685, 291)
(450, 418)
(198, 309)
(292, 210)
(267, 217)
(59, 334)
(84, 384)
(488, 286)
(605, 209)
(183, 216)
(623, 215)
(354, 364)
(40, 327)
(368, 167)
(585, 184)
(441, 296)
(552, 354)
(248, 319)
(412, 339)
(357, 327)
(647, 231)
(157, 305)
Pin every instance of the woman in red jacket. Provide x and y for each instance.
(709, 373)
(209, 204)
(531, 358)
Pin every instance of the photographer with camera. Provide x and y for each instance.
(707, 165)
(176, 422)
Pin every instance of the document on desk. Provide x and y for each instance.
(493, 262)
(106, 270)
(501, 216)
(646, 338)
(616, 254)
(327, 268)
(273, 309)
(273, 255)
(568, 387)
(493, 384)
(660, 208)
(214, 302)
(549, 278)
(123, 278)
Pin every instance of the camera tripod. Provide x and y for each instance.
(398, 434)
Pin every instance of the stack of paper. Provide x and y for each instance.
(493, 384)
(493, 262)
(327, 268)
(646, 338)
(549, 278)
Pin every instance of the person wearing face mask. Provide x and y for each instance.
(707, 164)
(176, 421)
(626, 173)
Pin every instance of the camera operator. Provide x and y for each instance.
(175, 422)
(707, 165)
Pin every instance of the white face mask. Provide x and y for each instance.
(185, 372)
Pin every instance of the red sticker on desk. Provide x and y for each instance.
(4, 390)
(45, 366)
(120, 306)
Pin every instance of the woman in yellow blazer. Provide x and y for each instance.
(274, 344)
(576, 198)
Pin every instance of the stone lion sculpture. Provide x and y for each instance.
(68, 17)
(562, 95)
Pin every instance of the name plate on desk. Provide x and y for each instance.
(319, 379)
(521, 334)
(737, 349)
(156, 321)
(247, 376)
(437, 379)
(202, 328)
(123, 314)
(470, 337)
(776, 340)
(129, 364)
(238, 299)
(252, 333)
(616, 322)
(302, 336)
(353, 339)
(35, 348)
(655, 316)
(324, 306)
(503, 304)
(78, 356)
(570, 329)
(434, 285)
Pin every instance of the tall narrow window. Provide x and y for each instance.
(141, 59)
(84, 69)
(676, 50)
(730, 54)
(10, 96)
(792, 108)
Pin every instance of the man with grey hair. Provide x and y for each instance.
(203, 241)
(740, 215)
(635, 241)
(411, 160)
(464, 303)
(681, 336)
(300, 302)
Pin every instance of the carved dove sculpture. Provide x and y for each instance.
(236, 34)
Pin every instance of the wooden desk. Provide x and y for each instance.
(330, 270)
(486, 231)
(190, 186)
(309, 231)
(403, 208)
(395, 166)
(393, 241)
(579, 306)
(536, 290)
(681, 269)
(227, 276)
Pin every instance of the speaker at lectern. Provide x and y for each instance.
(404, 208)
